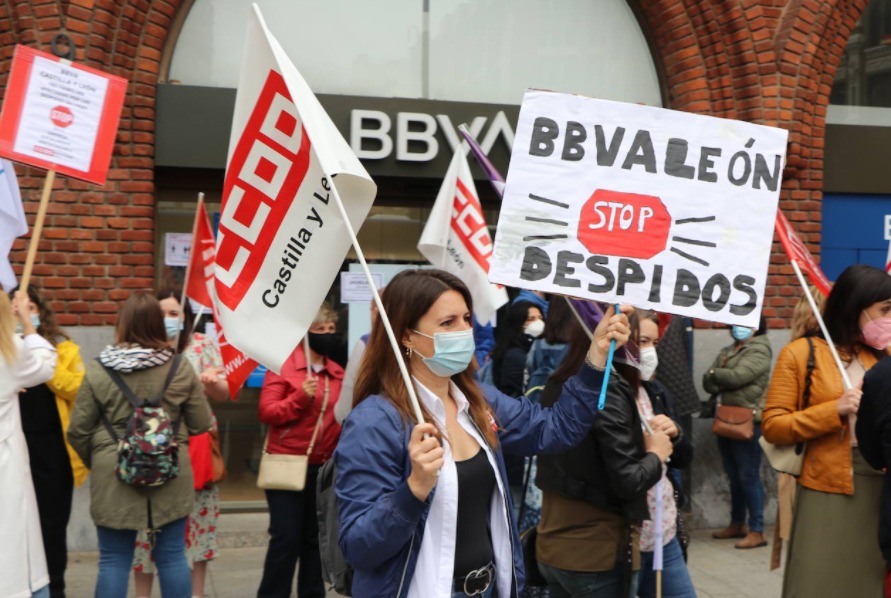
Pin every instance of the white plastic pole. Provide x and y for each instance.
(819, 316)
(380, 306)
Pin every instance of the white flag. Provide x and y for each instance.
(12, 221)
(281, 238)
(456, 238)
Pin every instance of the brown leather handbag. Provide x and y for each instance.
(735, 423)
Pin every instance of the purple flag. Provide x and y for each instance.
(491, 172)
(591, 313)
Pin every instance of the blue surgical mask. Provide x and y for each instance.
(35, 322)
(173, 326)
(452, 352)
(741, 333)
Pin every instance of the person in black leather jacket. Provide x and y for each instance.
(594, 496)
(874, 439)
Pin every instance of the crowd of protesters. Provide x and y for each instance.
(517, 483)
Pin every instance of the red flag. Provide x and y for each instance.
(235, 363)
(798, 252)
(199, 278)
(200, 287)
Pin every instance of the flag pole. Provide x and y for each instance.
(38, 229)
(819, 317)
(380, 306)
(309, 372)
(182, 298)
(578, 317)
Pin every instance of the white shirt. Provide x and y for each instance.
(22, 560)
(434, 572)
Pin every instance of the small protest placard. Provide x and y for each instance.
(60, 115)
(620, 202)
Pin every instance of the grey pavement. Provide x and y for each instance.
(718, 570)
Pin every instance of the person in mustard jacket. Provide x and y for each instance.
(833, 550)
(55, 467)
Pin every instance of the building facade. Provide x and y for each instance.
(397, 80)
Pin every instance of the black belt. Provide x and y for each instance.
(476, 582)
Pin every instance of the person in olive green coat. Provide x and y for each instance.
(740, 375)
(142, 358)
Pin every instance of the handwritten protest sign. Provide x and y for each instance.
(657, 208)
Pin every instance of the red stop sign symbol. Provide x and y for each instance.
(61, 116)
(624, 224)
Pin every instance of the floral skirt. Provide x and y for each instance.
(201, 533)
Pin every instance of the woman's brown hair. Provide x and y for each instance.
(408, 296)
(141, 323)
(48, 328)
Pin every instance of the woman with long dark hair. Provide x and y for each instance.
(424, 508)
(594, 496)
(833, 549)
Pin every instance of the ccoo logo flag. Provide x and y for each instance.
(281, 238)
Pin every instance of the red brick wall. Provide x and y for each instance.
(765, 61)
(98, 242)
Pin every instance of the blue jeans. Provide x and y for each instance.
(742, 463)
(573, 584)
(41, 593)
(676, 581)
(116, 558)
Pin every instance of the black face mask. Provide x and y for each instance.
(323, 343)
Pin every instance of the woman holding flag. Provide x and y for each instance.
(814, 399)
(424, 509)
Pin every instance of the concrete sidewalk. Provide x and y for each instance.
(718, 571)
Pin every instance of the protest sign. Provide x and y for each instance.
(282, 237)
(657, 208)
(60, 115)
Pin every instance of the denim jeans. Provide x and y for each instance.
(742, 463)
(43, 592)
(573, 584)
(293, 537)
(676, 582)
(116, 557)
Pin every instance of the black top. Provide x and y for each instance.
(473, 545)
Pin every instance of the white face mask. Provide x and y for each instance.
(649, 361)
(535, 328)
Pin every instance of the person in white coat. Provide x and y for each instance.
(25, 361)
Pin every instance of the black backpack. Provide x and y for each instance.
(335, 570)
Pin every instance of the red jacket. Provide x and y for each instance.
(292, 415)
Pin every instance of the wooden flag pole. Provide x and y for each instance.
(38, 229)
(183, 298)
(419, 415)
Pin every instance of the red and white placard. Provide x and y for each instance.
(60, 115)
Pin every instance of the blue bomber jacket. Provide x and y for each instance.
(382, 522)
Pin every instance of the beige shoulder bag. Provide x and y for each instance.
(288, 472)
